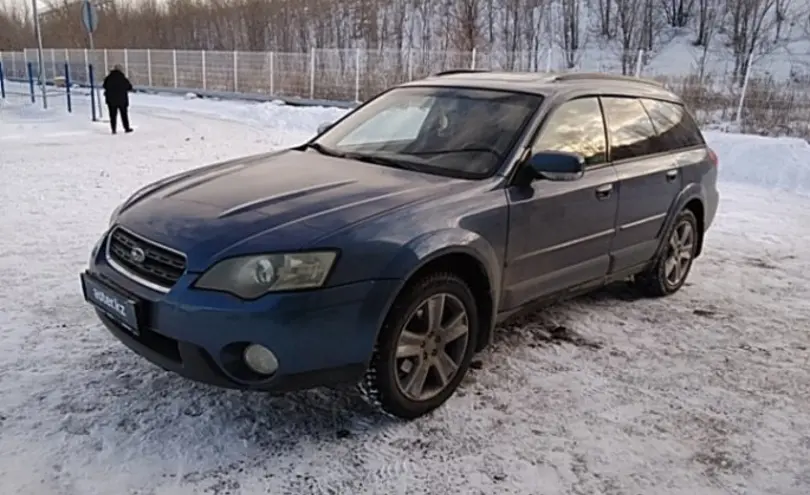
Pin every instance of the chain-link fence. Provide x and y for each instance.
(771, 96)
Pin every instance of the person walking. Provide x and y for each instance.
(116, 94)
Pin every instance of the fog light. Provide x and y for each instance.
(260, 359)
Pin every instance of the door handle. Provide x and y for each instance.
(603, 192)
(672, 174)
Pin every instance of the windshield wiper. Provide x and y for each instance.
(362, 157)
(324, 150)
(386, 161)
(483, 149)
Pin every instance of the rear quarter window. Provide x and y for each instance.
(675, 126)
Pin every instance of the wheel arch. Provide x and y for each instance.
(463, 253)
(691, 198)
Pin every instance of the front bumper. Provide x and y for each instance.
(320, 338)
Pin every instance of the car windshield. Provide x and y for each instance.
(457, 132)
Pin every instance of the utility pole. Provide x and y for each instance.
(38, 30)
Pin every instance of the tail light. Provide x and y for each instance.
(713, 157)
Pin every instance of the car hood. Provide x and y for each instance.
(278, 201)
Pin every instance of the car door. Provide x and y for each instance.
(648, 181)
(560, 232)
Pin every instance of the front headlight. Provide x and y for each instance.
(249, 277)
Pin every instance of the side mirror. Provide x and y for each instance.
(324, 127)
(557, 165)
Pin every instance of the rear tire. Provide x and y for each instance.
(424, 347)
(669, 270)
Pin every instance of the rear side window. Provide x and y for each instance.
(676, 128)
(576, 126)
(631, 131)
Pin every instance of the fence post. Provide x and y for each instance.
(126, 61)
(357, 75)
(744, 89)
(312, 74)
(92, 83)
(235, 71)
(13, 65)
(638, 62)
(149, 66)
(2, 82)
(53, 63)
(203, 71)
(272, 73)
(106, 62)
(67, 87)
(472, 60)
(174, 66)
(31, 81)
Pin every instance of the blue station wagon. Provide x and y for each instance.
(384, 251)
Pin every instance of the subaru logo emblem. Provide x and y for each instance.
(138, 255)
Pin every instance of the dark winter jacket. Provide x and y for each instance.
(117, 88)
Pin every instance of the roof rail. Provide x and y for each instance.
(585, 76)
(450, 72)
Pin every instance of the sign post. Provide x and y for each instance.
(90, 22)
(41, 69)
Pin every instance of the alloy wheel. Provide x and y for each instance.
(431, 346)
(680, 253)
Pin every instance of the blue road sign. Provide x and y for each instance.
(89, 16)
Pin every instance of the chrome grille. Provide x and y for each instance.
(144, 259)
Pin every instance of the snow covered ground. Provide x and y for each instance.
(705, 392)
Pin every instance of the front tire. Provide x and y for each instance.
(670, 269)
(424, 347)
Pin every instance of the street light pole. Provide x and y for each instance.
(39, 55)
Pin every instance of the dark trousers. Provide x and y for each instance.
(114, 111)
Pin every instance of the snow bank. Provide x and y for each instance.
(773, 163)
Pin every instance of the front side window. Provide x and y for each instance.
(448, 131)
(631, 131)
(577, 127)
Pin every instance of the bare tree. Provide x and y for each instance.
(749, 24)
(710, 20)
(571, 35)
(534, 32)
(678, 12)
(807, 24)
(630, 15)
(647, 38)
(467, 17)
(605, 10)
(514, 12)
(15, 25)
(782, 7)
(708, 12)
